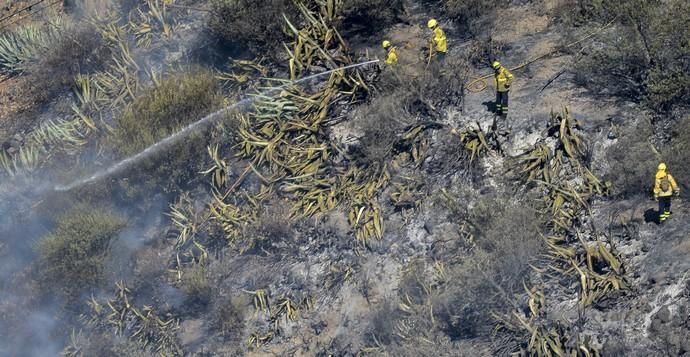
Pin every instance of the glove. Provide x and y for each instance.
(677, 193)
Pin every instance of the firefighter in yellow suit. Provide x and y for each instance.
(392, 55)
(439, 40)
(665, 187)
(504, 79)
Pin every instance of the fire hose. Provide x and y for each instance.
(479, 84)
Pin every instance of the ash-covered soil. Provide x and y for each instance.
(489, 243)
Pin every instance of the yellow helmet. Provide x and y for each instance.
(386, 44)
(432, 23)
(496, 65)
(661, 167)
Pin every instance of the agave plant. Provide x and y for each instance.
(474, 140)
(154, 19)
(142, 325)
(26, 42)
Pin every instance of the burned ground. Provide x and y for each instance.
(370, 211)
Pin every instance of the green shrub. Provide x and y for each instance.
(178, 101)
(256, 25)
(666, 88)
(73, 256)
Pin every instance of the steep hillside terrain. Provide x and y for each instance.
(226, 178)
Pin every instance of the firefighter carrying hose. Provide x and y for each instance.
(440, 44)
(664, 188)
(504, 79)
(392, 55)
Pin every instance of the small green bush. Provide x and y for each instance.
(256, 25)
(668, 87)
(73, 256)
(178, 101)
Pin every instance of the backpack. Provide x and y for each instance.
(665, 184)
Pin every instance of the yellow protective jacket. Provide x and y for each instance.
(503, 80)
(672, 187)
(392, 57)
(440, 40)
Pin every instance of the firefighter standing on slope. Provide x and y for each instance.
(504, 79)
(439, 40)
(391, 56)
(664, 187)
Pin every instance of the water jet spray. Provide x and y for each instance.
(119, 166)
